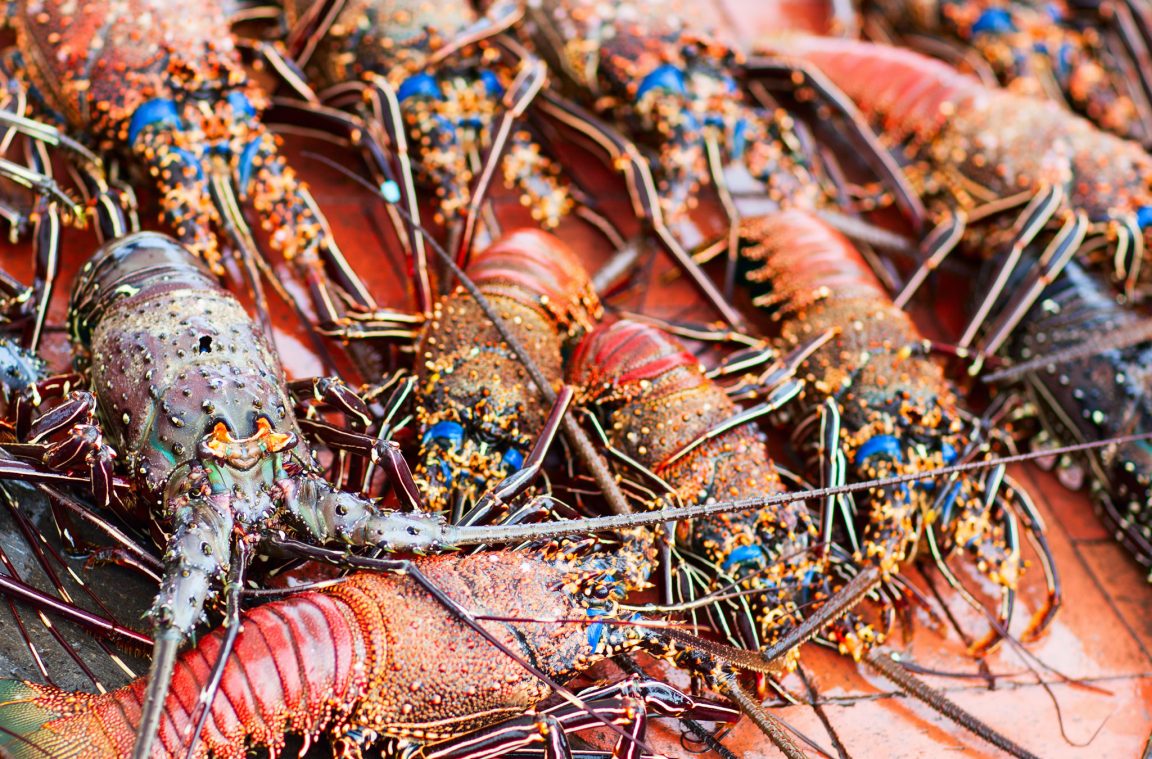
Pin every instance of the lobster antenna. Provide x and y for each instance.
(572, 431)
(1117, 339)
(473, 535)
(883, 663)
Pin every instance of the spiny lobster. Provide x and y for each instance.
(972, 152)
(1029, 48)
(193, 399)
(162, 85)
(1083, 362)
(874, 404)
(652, 68)
(364, 660)
(477, 407)
(452, 101)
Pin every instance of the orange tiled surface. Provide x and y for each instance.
(1096, 661)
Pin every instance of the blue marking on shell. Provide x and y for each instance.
(948, 453)
(994, 21)
(241, 104)
(1064, 59)
(390, 191)
(446, 473)
(1144, 216)
(881, 445)
(190, 160)
(447, 434)
(744, 554)
(158, 111)
(244, 170)
(512, 459)
(666, 77)
(491, 83)
(419, 85)
(739, 138)
(596, 629)
(1054, 11)
(445, 124)
(806, 588)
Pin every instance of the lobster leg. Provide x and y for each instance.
(939, 243)
(524, 89)
(47, 254)
(303, 114)
(385, 108)
(995, 558)
(1035, 216)
(48, 222)
(111, 212)
(626, 157)
(333, 392)
(498, 497)
(1061, 250)
(83, 445)
(287, 73)
(1132, 24)
(308, 116)
(798, 76)
(312, 27)
(1037, 535)
(613, 702)
(834, 473)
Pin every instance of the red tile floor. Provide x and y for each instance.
(1096, 660)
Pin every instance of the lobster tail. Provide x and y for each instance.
(541, 271)
(41, 721)
(911, 91)
(275, 691)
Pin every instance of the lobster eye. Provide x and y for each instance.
(600, 592)
(413, 530)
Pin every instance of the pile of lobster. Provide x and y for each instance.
(503, 476)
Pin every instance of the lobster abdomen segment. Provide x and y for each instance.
(911, 92)
(291, 670)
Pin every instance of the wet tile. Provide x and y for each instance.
(1127, 590)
